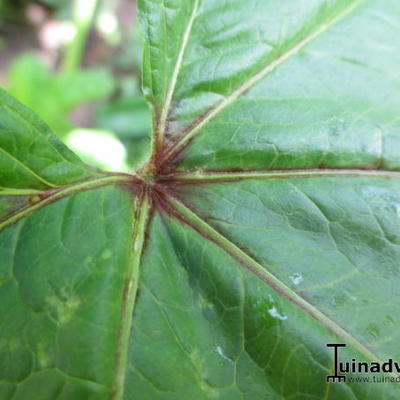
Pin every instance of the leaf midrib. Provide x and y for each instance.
(129, 294)
(162, 125)
(27, 169)
(57, 194)
(231, 176)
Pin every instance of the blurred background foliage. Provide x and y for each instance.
(77, 64)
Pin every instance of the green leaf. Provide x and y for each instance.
(30, 154)
(264, 225)
(126, 117)
(54, 314)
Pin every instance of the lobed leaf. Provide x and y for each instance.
(264, 225)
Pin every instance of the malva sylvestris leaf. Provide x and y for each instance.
(265, 224)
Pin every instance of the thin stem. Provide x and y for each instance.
(19, 192)
(84, 13)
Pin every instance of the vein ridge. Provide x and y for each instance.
(140, 226)
(48, 197)
(161, 125)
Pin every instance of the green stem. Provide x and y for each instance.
(19, 192)
(84, 13)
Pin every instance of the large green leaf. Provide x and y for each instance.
(265, 224)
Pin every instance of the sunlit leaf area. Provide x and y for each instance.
(76, 63)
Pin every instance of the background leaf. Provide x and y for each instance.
(37, 87)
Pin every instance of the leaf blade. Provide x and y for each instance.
(31, 156)
(317, 110)
(202, 330)
(336, 235)
(60, 312)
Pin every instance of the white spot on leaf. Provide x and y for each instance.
(273, 312)
(220, 351)
(296, 278)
